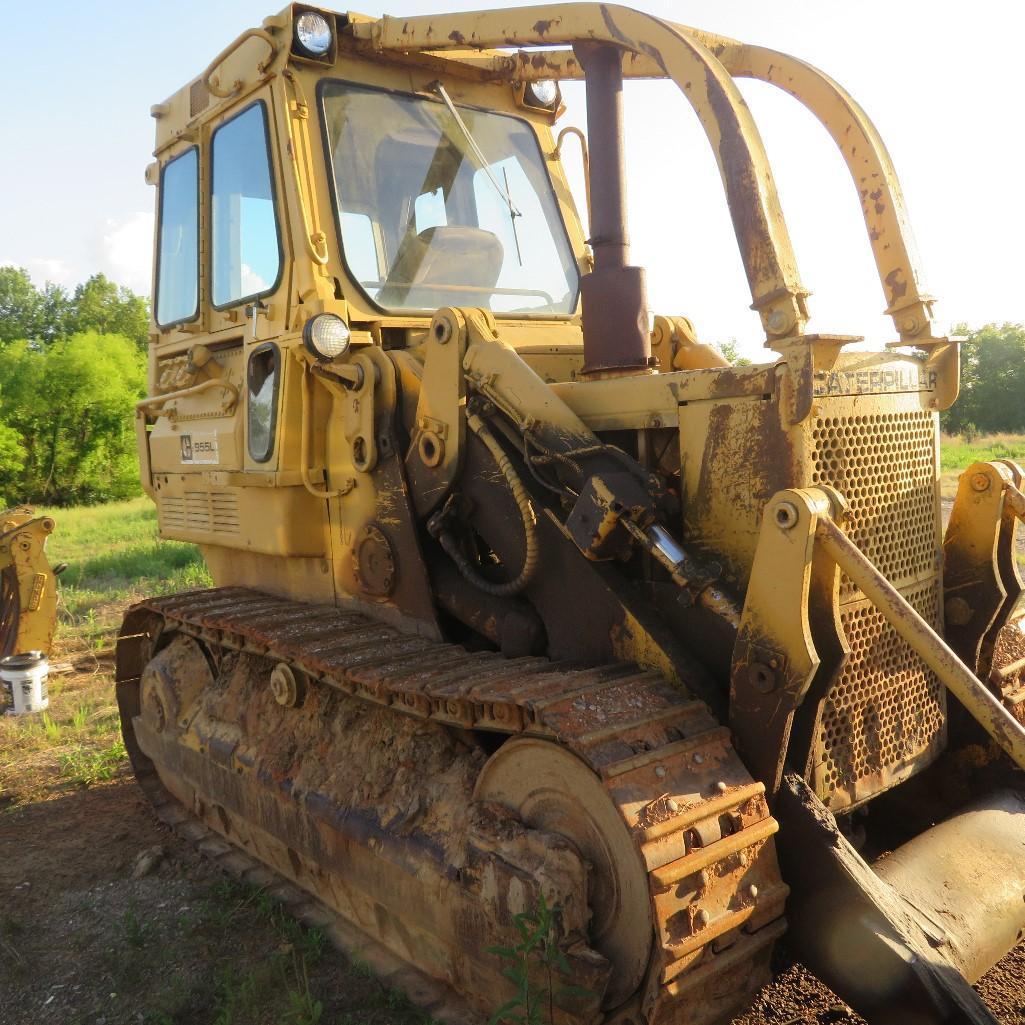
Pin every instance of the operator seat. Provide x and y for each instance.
(446, 255)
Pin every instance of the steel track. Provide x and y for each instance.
(698, 821)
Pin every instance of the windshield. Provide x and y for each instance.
(426, 223)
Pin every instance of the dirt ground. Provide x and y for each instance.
(107, 918)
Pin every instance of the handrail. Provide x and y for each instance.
(585, 156)
(214, 85)
(194, 389)
(765, 245)
(304, 438)
(314, 239)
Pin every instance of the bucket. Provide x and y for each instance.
(24, 679)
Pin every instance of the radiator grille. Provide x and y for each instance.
(201, 512)
(885, 716)
(885, 466)
(886, 710)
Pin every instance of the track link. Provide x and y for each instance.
(700, 824)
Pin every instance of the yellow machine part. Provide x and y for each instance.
(28, 584)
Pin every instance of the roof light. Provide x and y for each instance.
(542, 93)
(312, 34)
(326, 336)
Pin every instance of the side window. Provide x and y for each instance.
(246, 252)
(262, 378)
(178, 248)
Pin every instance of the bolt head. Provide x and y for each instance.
(762, 678)
(980, 482)
(786, 515)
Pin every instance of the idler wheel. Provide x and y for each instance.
(551, 789)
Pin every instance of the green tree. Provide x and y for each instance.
(20, 305)
(731, 353)
(100, 305)
(71, 406)
(992, 380)
(54, 312)
(12, 464)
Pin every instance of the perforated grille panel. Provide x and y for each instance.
(885, 716)
(885, 711)
(884, 465)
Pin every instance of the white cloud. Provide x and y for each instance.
(42, 269)
(125, 250)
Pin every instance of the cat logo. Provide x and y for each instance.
(186, 448)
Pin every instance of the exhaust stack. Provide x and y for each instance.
(614, 301)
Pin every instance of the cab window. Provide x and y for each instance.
(246, 250)
(178, 245)
(264, 371)
(435, 211)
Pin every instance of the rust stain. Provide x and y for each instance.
(542, 28)
(896, 288)
(742, 192)
(613, 28)
(457, 37)
(656, 55)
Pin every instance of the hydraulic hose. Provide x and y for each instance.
(522, 500)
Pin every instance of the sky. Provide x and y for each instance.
(939, 79)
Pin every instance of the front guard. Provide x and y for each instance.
(900, 941)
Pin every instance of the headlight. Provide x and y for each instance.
(543, 93)
(313, 34)
(326, 336)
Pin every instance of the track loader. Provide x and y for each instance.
(525, 597)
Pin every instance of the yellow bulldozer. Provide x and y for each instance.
(525, 597)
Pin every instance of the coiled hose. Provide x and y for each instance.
(522, 500)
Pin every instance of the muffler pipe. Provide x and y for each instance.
(613, 296)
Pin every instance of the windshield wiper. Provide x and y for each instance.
(439, 90)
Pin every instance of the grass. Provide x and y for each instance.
(114, 557)
(958, 453)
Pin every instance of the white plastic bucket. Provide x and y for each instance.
(24, 679)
